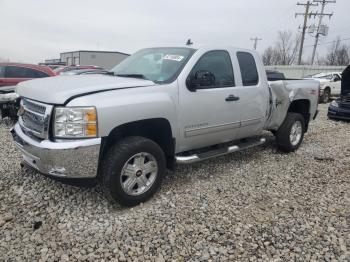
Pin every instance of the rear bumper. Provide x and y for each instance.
(69, 159)
(339, 113)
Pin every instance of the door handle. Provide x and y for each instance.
(232, 98)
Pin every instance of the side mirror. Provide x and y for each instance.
(201, 79)
(336, 79)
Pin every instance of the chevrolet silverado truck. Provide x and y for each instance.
(158, 108)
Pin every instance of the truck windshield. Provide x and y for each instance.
(160, 65)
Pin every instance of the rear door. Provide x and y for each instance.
(253, 93)
(16, 74)
(336, 84)
(208, 115)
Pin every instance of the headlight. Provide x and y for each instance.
(334, 103)
(75, 122)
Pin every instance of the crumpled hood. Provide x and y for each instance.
(58, 89)
(7, 89)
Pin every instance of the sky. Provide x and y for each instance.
(35, 30)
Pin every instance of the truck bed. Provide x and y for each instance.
(284, 92)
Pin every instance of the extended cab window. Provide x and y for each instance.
(218, 65)
(249, 72)
(23, 72)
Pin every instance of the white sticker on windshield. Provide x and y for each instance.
(177, 58)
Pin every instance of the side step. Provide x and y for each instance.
(219, 152)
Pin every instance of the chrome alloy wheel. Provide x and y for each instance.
(296, 133)
(139, 174)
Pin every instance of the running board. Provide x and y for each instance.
(220, 152)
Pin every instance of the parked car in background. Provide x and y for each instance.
(158, 107)
(274, 75)
(10, 75)
(13, 73)
(63, 69)
(340, 108)
(330, 85)
(85, 72)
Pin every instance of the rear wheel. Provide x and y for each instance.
(133, 170)
(291, 133)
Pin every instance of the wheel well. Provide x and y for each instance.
(156, 129)
(328, 88)
(301, 106)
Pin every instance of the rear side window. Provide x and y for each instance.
(249, 72)
(2, 71)
(219, 64)
(23, 72)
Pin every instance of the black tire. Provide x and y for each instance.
(117, 157)
(325, 98)
(283, 134)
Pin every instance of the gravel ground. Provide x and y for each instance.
(255, 205)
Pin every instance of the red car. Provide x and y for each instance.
(13, 73)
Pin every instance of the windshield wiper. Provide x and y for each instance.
(133, 76)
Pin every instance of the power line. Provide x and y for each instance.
(306, 15)
(321, 15)
(330, 42)
(256, 39)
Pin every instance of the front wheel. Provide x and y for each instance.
(133, 170)
(326, 96)
(291, 133)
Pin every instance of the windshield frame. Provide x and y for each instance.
(177, 73)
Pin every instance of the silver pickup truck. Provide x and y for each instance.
(159, 107)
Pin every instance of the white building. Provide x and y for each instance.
(301, 71)
(105, 59)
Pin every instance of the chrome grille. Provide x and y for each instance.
(34, 107)
(35, 118)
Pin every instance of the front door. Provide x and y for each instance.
(209, 113)
(336, 84)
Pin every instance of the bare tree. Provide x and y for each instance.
(338, 54)
(284, 51)
(268, 56)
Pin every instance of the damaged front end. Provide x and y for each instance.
(9, 103)
(340, 109)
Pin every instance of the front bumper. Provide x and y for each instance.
(339, 113)
(69, 159)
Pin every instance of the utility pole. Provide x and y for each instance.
(321, 15)
(306, 15)
(256, 39)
